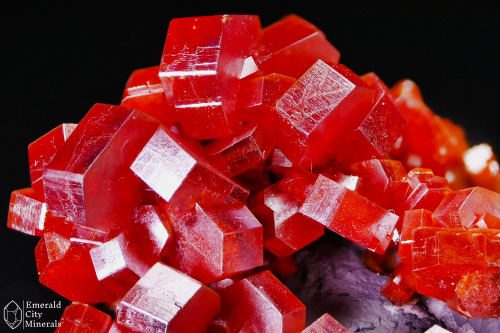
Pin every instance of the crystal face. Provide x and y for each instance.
(201, 202)
(27, 212)
(89, 180)
(200, 70)
(164, 299)
(317, 111)
(349, 214)
(261, 303)
(292, 45)
(79, 317)
(42, 151)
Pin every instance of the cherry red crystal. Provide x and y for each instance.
(261, 303)
(479, 294)
(140, 204)
(257, 97)
(65, 266)
(240, 152)
(413, 219)
(79, 317)
(462, 209)
(178, 175)
(426, 190)
(376, 133)
(311, 118)
(144, 91)
(429, 141)
(277, 208)
(89, 180)
(442, 256)
(164, 300)
(291, 45)
(42, 151)
(116, 266)
(382, 181)
(202, 62)
(27, 212)
(349, 214)
(214, 241)
(400, 286)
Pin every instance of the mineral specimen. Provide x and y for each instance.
(201, 202)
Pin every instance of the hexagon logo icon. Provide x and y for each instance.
(12, 314)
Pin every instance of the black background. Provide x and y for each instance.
(59, 59)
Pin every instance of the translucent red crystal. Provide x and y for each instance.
(349, 214)
(178, 175)
(65, 266)
(27, 212)
(291, 45)
(240, 152)
(42, 151)
(277, 207)
(462, 209)
(429, 141)
(89, 180)
(382, 181)
(79, 317)
(442, 256)
(426, 190)
(479, 294)
(144, 91)
(400, 286)
(258, 96)
(312, 116)
(164, 300)
(214, 241)
(261, 303)
(377, 130)
(200, 69)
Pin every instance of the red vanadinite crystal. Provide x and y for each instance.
(27, 212)
(461, 209)
(83, 318)
(277, 207)
(234, 153)
(292, 45)
(200, 69)
(42, 151)
(165, 300)
(261, 303)
(240, 152)
(65, 266)
(382, 181)
(312, 116)
(378, 131)
(144, 91)
(178, 175)
(400, 286)
(258, 96)
(349, 214)
(89, 180)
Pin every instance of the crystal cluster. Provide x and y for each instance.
(182, 206)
